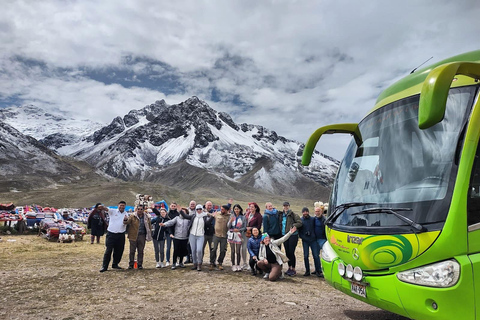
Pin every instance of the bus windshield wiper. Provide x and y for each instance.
(342, 207)
(418, 227)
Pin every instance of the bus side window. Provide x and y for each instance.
(473, 201)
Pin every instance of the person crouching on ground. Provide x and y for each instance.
(139, 231)
(271, 258)
(253, 247)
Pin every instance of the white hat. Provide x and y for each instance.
(199, 206)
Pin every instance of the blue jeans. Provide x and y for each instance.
(320, 243)
(313, 245)
(169, 245)
(196, 244)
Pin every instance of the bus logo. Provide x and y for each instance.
(356, 240)
(355, 254)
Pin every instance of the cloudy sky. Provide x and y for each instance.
(291, 66)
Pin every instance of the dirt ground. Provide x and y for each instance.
(49, 280)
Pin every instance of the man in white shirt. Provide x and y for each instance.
(115, 240)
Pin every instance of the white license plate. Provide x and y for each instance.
(358, 289)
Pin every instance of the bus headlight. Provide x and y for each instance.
(327, 252)
(349, 273)
(357, 274)
(442, 274)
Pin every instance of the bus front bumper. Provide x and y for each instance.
(409, 300)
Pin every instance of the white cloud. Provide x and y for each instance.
(294, 65)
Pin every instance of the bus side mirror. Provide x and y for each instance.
(433, 97)
(351, 128)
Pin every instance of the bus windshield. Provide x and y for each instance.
(398, 165)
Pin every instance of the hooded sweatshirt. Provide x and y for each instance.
(271, 223)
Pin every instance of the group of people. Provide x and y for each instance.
(192, 228)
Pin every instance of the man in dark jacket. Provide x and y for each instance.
(209, 224)
(289, 219)
(307, 234)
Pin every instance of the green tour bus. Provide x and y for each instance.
(403, 225)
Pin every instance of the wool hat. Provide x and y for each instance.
(199, 206)
(305, 209)
(265, 235)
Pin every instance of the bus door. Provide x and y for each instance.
(473, 219)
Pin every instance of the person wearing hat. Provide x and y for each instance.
(220, 236)
(197, 235)
(307, 234)
(289, 219)
(270, 257)
(97, 222)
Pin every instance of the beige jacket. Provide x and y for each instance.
(133, 224)
(274, 246)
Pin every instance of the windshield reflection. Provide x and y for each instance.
(398, 164)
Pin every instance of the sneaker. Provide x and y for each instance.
(288, 272)
(267, 274)
(282, 276)
(194, 267)
(181, 265)
(234, 268)
(306, 274)
(220, 267)
(174, 266)
(103, 269)
(162, 265)
(293, 273)
(254, 273)
(116, 267)
(140, 267)
(130, 267)
(319, 274)
(199, 267)
(167, 264)
(158, 265)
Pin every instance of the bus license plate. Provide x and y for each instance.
(358, 289)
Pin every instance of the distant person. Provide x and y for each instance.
(220, 237)
(159, 235)
(271, 258)
(288, 220)
(97, 223)
(139, 231)
(180, 239)
(253, 247)
(309, 241)
(115, 240)
(236, 228)
(271, 223)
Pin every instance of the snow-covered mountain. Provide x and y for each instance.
(25, 163)
(187, 145)
(54, 128)
(145, 143)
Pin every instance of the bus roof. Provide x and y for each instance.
(413, 82)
